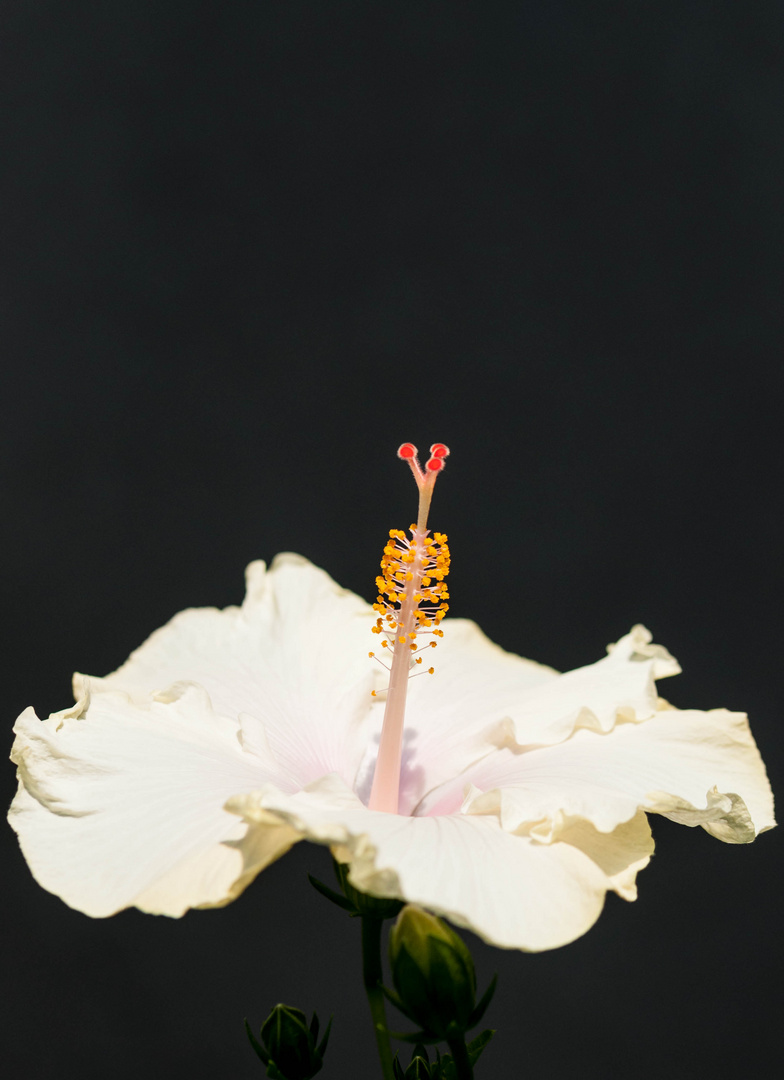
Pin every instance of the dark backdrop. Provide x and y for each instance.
(251, 247)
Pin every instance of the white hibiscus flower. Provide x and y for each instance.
(508, 798)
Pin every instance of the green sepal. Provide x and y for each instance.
(254, 1042)
(330, 894)
(379, 907)
(352, 900)
(446, 1069)
(418, 1070)
(419, 1066)
(477, 1045)
(449, 970)
(481, 1007)
(322, 1046)
(391, 996)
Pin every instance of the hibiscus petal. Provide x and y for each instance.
(513, 891)
(447, 713)
(620, 686)
(698, 768)
(293, 659)
(481, 696)
(120, 806)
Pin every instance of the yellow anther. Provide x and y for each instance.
(431, 671)
(419, 559)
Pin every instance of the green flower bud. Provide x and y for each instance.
(419, 1069)
(433, 973)
(290, 1051)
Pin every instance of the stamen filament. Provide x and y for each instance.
(386, 781)
(413, 576)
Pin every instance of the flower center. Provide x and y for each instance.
(411, 603)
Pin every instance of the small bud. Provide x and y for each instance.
(290, 1051)
(433, 973)
(419, 1068)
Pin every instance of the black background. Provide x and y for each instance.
(248, 249)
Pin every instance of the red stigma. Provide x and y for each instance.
(425, 478)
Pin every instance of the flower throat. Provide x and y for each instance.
(411, 603)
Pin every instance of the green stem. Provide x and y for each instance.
(372, 976)
(461, 1058)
